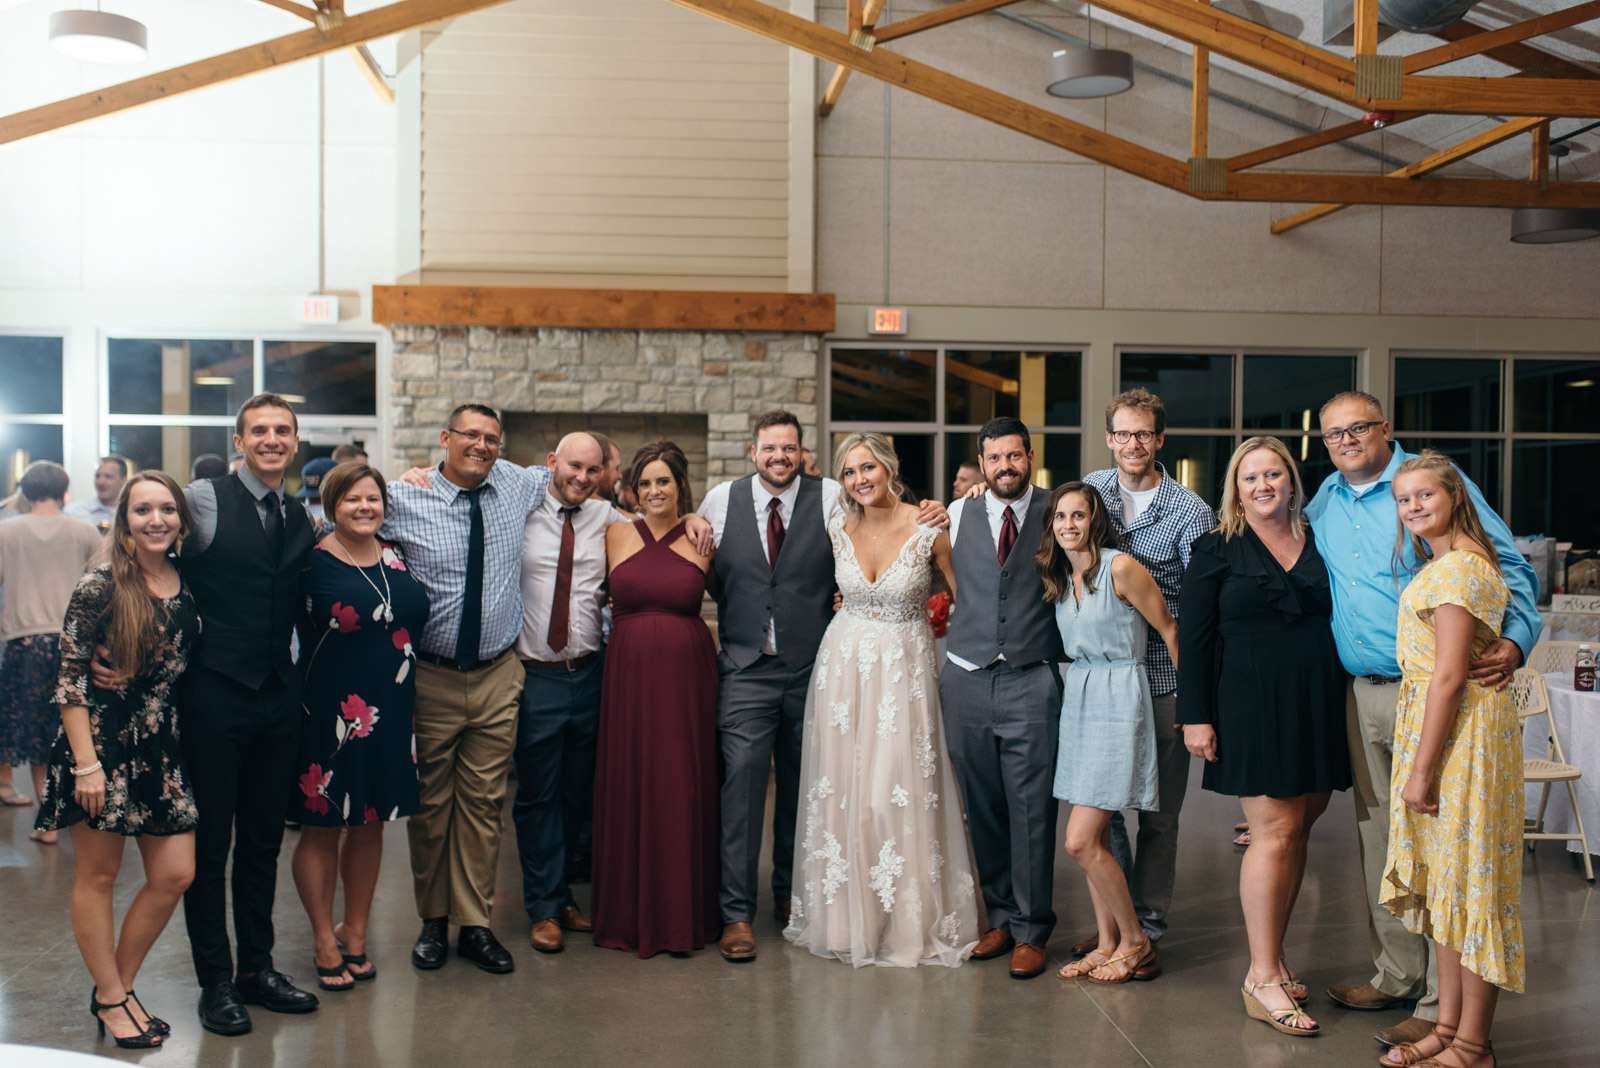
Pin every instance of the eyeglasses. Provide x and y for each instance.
(1122, 437)
(475, 438)
(1355, 430)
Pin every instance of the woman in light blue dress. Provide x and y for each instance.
(1107, 757)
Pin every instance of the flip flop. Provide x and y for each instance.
(1243, 840)
(9, 796)
(358, 959)
(324, 974)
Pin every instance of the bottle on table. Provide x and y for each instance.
(1583, 670)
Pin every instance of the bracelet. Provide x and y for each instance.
(90, 770)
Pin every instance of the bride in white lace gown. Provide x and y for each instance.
(882, 867)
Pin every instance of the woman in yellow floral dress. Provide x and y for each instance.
(1454, 870)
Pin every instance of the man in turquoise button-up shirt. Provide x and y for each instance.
(1355, 521)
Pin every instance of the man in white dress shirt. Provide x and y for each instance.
(109, 475)
(562, 653)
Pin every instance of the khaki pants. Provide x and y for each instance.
(1406, 967)
(466, 727)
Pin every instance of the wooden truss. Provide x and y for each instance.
(1545, 87)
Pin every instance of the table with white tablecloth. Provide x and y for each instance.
(1577, 720)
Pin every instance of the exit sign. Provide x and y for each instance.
(887, 321)
(319, 309)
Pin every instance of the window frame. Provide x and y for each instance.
(937, 428)
(60, 419)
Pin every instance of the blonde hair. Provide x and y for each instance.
(1463, 514)
(881, 451)
(1230, 516)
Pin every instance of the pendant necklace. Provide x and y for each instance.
(385, 609)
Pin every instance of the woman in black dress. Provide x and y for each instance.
(1261, 699)
(358, 760)
(117, 768)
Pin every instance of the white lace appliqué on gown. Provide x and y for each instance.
(882, 866)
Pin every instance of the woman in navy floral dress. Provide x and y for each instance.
(358, 758)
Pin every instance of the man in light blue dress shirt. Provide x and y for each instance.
(1355, 521)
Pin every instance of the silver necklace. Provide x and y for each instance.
(385, 609)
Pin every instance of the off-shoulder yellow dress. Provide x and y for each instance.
(1456, 876)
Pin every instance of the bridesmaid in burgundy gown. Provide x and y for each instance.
(656, 865)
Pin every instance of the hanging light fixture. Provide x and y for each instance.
(1553, 226)
(1084, 73)
(98, 36)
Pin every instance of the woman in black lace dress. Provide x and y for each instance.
(116, 770)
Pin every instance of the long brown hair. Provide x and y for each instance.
(1052, 563)
(1463, 514)
(132, 629)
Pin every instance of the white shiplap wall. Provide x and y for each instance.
(627, 143)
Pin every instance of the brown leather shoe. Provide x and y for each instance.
(546, 937)
(1365, 998)
(1150, 969)
(780, 912)
(1413, 1030)
(1087, 946)
(738, 942)
(1027, 960)
(994, 942)
(571, 919)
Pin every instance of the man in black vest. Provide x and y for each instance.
(774, 576)
(1001, 693)
(239, 710)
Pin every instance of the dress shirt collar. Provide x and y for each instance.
(258, 489)
(1399, 457)
(453, 491)
(762, 495)
(1019, 506)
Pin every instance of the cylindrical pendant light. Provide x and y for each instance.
(1080, 74)
(98, 37)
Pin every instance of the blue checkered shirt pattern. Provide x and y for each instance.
(432, 527)
(1159, 539)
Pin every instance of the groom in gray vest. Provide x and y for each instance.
(775, 587)
(1001, 693)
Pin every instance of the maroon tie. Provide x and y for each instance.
(562, 608)
(774, 532)
(1008, 533)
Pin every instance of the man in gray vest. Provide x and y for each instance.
(1002, 697)
(775, 586)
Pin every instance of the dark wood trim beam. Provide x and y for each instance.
(603, 309)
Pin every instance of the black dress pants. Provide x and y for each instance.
(240, 744)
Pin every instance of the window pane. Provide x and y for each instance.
(1556, 396)
(1284, 392)
(1551, 490)
(1444, 395)
(179, 377)
(1480, 460)
(170, 448)
(324, 377)
(1198, 463)
(1055, 460)
(1196, 388)
(883, 385)
(1041, 389)
(30, 376)
(23, 443)
(1312, 455)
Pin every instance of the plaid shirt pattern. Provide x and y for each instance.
(1159, 539)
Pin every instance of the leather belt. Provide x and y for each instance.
(1381, 680)
(454, 665)
(575, 664)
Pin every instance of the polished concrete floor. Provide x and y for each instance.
(598, 1007)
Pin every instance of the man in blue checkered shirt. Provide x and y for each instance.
(1157, 520)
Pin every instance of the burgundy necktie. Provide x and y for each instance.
(774, 532)
(1008, 533)
(562, 608)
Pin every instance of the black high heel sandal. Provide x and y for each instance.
(157, 1026)
(145, 1039)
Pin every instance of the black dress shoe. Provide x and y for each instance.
(433, 944)
(273, 992)
(479, 945)
(222, 1011)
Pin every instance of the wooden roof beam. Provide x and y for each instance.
(1297, 145)
(1489, 40)
(861, 18)
(1524, 57)
(364, 60)
(379, 22)
(940, 17)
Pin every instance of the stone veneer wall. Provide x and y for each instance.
(728, 377)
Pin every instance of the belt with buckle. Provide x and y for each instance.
(455, 665)
(1381, 680)
(577, 663)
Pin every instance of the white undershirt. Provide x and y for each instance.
(1134, 502)
(1361, 490)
